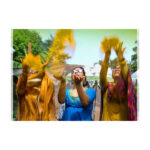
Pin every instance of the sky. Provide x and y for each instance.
(87, 51)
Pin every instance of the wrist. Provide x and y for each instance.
(121, 59)
(78, 84)
(63, 80)
(122, 62)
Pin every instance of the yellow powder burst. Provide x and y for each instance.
(108, 43)
(62, 37)
(33, 62)
(57, 56)
(114, 41)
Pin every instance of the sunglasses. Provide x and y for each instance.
(116, 69)
(79, 70)
(33, 71)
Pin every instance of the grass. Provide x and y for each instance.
(91, 78)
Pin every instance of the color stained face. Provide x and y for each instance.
(34, 66)
(33, 74)
(78, 72)
(116, 72)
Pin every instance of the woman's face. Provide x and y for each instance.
(77, 72)
(116, 72)
(33, 74)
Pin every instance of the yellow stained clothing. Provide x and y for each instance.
(114, 109)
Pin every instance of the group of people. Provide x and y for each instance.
(118, 98)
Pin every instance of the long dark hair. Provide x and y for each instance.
(85, 82)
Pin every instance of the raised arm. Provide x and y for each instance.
(103, 72)
(62, 89)
(21, 84)
(122, 61)
(80, 89)
(82, 95)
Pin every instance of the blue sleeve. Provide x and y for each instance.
(91, 94)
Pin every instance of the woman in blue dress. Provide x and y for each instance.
(79, 100)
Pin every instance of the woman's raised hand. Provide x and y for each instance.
(119, 50)
(107, 55)
(77, 78)
(60, 77)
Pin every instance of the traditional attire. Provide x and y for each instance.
(35, 99)
(34, 91)
(74, 109)
(118, 101)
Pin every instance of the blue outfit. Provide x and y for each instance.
(75, 110)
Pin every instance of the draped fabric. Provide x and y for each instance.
(35, 99)
(132, 100)
(120, 91)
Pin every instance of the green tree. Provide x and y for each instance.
(134, 58)
(113, 63)
(21, 38)
(47, 43)
(129, 65)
